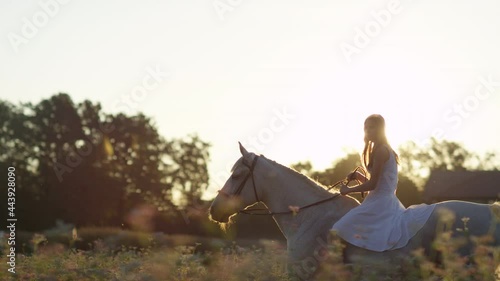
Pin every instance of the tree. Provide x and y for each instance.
(408, 192)
(339, 170)
(79, 164)
(303, 168)
(188, 172)
(417, 162)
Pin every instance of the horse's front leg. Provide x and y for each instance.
(304, 259)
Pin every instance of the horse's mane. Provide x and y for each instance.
(310, 182)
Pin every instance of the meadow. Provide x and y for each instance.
(114, 254)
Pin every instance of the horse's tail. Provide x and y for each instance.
(495, 210)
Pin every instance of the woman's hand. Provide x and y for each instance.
(352, 176)
(344, 189)
(357, 176)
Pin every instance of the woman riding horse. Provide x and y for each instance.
(381, 222)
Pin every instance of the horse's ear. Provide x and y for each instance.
(243, 151)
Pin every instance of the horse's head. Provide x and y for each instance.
(240, 189)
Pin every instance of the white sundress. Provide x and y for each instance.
(381, 222)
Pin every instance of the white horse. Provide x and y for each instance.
(257, 179)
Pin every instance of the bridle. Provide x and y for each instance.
(269, 213)
(242, 184)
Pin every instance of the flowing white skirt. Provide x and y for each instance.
(382, 223)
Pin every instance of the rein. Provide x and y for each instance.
(248, 212)
(269, 213)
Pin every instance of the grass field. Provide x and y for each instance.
(112, 254)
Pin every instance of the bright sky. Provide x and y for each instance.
(293, 80)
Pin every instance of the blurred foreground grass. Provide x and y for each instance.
(113, 254)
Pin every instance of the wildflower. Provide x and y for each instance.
(465, 229)
(74, 233)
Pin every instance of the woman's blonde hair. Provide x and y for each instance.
(367, 155)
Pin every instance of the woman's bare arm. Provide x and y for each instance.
(381, 156)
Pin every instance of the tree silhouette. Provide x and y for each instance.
(418, 161)
(76, 163)
(188, 172)
(339, 170)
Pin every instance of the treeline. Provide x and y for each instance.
(78, 164)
